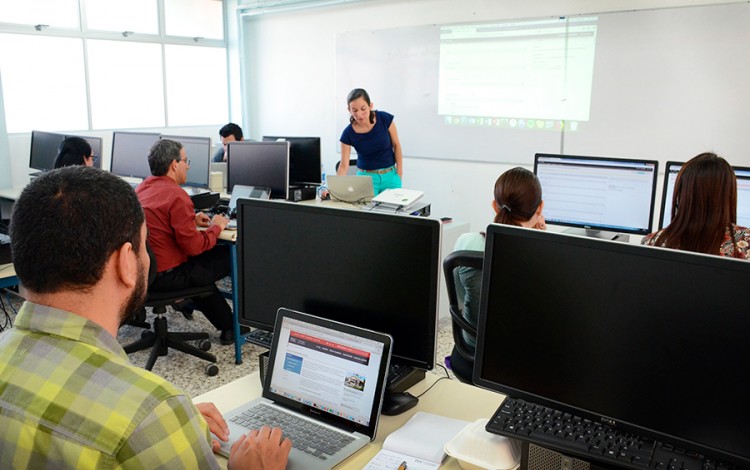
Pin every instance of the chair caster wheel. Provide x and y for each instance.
(205, 345)
(146, 334)
(212, 370)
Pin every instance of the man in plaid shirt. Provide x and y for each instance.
(69, 397)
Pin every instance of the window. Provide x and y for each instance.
(113, 64)
(192, 68)
(44, 83)
(126, 84)
(138, 16)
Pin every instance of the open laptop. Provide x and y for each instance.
(241, 191)
(353, 189)
(321, 373)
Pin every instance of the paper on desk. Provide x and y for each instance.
(419, 441)
(388, 460)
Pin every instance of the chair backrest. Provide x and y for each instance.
(455, 260)
(352, 167)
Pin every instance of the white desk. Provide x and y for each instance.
(448, 398)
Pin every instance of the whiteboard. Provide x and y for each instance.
(667, 84)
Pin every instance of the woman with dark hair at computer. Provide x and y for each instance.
(74, 151)
(518, 201)
(704, 211)
(374, 136)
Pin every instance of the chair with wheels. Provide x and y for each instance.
(462, 271)
(352, 167)
(161, 339)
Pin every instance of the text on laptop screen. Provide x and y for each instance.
(597, 193)
(743, 194)
(329, 370)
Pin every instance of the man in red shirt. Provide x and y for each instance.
(185, 256)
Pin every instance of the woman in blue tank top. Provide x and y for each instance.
(374, 136)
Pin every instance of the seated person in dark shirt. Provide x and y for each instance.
(185, 256)
(229, 133)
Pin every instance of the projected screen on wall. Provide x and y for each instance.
(503, 90)
(532, 74)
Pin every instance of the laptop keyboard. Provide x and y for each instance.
(306, 436)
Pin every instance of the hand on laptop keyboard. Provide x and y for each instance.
(262, 448)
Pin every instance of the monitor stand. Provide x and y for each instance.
(603, 234)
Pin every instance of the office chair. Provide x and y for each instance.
(462, 356)
(161, 339)
(352, 167)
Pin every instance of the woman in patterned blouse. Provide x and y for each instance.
(704, 211)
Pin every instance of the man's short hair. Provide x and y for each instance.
(162, 154)
(231, 129)
(67, 223)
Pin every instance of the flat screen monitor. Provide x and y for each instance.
(45, 147)
(650, 340)
(743, 194)
(198, 150)
(259, 164)
(597, 194)
(373, 270)
(304, 159)
(130, 153)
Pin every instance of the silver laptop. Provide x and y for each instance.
(240, 191)
(354, 189)
(324, 378)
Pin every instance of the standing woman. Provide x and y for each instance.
(374, 136)
(74, 151)
(704, 211)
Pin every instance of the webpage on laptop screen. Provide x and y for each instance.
(332, 371)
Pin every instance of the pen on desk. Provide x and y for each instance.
(402, 466)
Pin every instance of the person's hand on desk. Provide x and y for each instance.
(260, 449)
(216, 423)
(202, 220)
(221, 220)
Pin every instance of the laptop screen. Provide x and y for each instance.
(329, 367)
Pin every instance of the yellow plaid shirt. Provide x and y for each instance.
(69, 398)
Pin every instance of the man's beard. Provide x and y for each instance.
(135, 302)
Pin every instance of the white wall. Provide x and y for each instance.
(289, 71)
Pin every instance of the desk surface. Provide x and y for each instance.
(447, 398)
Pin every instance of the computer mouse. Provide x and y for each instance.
(396, 403)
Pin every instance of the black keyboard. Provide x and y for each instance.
(260, 337)
(570, 434)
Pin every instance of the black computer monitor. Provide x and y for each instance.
(45, 147)
(259, 164)
(648, 340)
(304, 159)
(198, 150)
(130, 153)
(743, 194)
(373, 270)
(599, 195)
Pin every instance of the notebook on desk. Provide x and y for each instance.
(323, 375)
